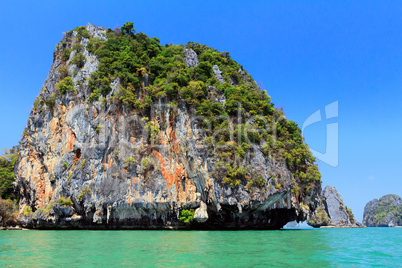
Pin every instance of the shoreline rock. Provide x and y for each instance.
(332, 213)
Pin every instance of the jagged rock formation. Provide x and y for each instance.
(218, 73)
(292, 224)
(383, 212)
(117, 139)
(332, 211)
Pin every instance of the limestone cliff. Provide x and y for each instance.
(119, 138)
(332, 211)
(383, 212)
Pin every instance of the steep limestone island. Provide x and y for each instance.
(129, 134)
(332, 212)
(385, 212)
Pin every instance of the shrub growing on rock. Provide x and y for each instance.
(65, 201)
(79, 60)
(187, 216)
(65, 85)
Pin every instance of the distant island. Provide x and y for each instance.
(383, 212)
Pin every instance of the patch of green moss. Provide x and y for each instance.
(28, 211)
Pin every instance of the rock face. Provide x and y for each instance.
(218, 74)
(383, 212)
(89, 161)
(191, 58)
(332, 211)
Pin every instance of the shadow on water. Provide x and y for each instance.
(197, 248)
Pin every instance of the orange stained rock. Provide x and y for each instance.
(109, 162)
(162, 139)
(71, 140)
(95, 113)
(128, 199)
(70, 137)
(132, 139)
(49, 194)
(53, 125)
(173, 138)
(150, 198)
(129, 194)
(40, 190)
(173, 174)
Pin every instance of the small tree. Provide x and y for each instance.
(65, 85)
(128, 28)
(186, 216)
(79, 60)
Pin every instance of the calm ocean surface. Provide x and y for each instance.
(318, 247)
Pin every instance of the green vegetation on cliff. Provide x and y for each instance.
(350, 214)
(320, 218)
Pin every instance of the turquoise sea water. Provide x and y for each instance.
(315, 247)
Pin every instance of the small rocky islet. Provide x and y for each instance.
(383, 212)
(129, 134)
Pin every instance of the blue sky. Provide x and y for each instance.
(306, 54)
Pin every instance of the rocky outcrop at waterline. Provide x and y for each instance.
(127, 133)
(383, 212)
(332, 212)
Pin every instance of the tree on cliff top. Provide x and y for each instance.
(128, 28)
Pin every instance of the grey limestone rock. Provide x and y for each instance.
(218, 74)
(96, 32)
(201, 214)
(332, 211)
(63, 211)
(190, 58)
(335, 207)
